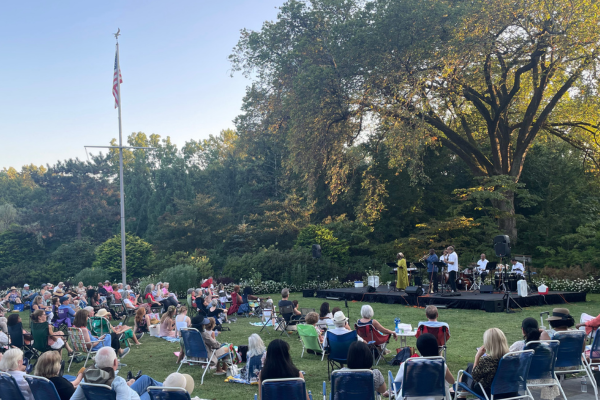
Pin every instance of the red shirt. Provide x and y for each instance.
(207, 283)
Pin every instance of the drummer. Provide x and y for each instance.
(517, 267)
(481, 265)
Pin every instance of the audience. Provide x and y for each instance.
(117, 331)
(361, 357)
(80, 289)
(149, 297)
(590, 326)
(142, 321)
(216, 312)
(212, 344)
(12, 363)
(334, 311)
(182, 320)
(210, 327)
(325, 316)
(236, 300)
(26, 293)
(13, 296)
(103, 373)
(311, 319)
(560, 321)
(65, 302)
(48, 366)
(184, 381)
(167, 323)
(427, 346)
(278, 364)
(15, 319)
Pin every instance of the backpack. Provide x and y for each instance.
(403, 354)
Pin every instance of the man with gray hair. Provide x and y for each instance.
(103, 373)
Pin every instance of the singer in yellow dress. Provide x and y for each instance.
(402, 275)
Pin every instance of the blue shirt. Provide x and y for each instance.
(70, 311)
(430, 266)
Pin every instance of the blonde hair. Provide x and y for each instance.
(211, 324)
(495, 343)
(182, 309)
(312, 318)
(48, 365)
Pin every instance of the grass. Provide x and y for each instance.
(155, 356)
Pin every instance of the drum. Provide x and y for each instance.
(460, 284)
(511, 283)
(497, 279)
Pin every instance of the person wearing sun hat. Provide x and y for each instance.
(339, 321)
(183, 381)
(13, 296)
(561, 321)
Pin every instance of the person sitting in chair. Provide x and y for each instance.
(431, 312)
(13, 296)
(104, 373)
(12, 363)
(360, 357)
(341, 327)
(26, 293)
(64, 305)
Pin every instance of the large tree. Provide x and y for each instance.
(483, 78)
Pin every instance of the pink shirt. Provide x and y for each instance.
(592, 324)
(108, 288)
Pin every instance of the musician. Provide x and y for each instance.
(481, 265)
(452, 261)
(402, 273)
(517, 268)
(432, 269)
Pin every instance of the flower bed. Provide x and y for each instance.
(589, 285)
(276, 287)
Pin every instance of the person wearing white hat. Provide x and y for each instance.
(182, 381)
(25, 293)
(60, 286)
(339, 321)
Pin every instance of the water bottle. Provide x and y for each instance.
(397, 322)
(584, 385)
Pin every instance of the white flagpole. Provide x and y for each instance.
(121, 185)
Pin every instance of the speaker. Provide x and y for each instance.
(486, 289)
(502, 246)
(494, 306)
(371, 289)
(316, 251)
(414, 291)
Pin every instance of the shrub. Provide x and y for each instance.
(138, 254)
(90, 276)
(331, 246)
(180, 278)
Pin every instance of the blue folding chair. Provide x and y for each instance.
(511, 378)
(423, 376)
(350, 384)
(542, 364)
(93, 391)
(168, 393)
(9, 388)
(337, 346)
(595, 351)
(571, 358)
(289, 389)
(42, 388)
(195, 351)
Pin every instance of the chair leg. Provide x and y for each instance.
(181, 363)
(302, 355)
(560, 387)
(205, 370)
(86, 359)
(71, 362)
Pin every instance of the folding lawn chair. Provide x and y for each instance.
(195, 351)
(442, 334)
(310, 340)
(570, 357)
(377, 341)
(337, 346)
(286, 313)
(168, 393)
(93, 391)
(542, 364)
(80, 346)
(41, 388)
(289, 389)
(423, 376)
(511, 378)
(17, 339)
(352, 384)
(9, 388)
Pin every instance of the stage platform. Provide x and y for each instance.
(491, 302)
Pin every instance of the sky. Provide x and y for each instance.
(56, 77)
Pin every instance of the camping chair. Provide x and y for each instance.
(285, 315)
(168, 393)
(337, 346)
(570, 357)
(93, 391)
(17, 339)
(268, 314)
(63, 320)
(9, 388)
(289, 389)
(511, 377)
(377, 341)
(99, 326)
(40, 333)
(542, 364)
(128, 311)
(195, 351)
(595, 352)
(42, 388)
(423, 376)
(310, 340)
(305, 311)
(442, 334)
(352, 384)
(80, 346)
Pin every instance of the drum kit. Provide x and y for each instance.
(470, 278)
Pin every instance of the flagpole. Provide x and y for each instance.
(121, 185)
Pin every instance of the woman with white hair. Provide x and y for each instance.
(367, 313)
(12, 363)
(255, 356)
(401, 273)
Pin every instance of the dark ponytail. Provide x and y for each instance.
(531, 329)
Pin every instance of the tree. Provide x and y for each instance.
(483, 80)
(138, 255)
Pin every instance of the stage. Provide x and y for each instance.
(491, 302)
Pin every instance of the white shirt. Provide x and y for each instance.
(452, 257)
(56, 288)
(481, 264)
(22, 383)
(518, 268)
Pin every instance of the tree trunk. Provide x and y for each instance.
(507, 221)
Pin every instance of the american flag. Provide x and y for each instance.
(115, 83)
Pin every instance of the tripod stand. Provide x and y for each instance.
(507, 291)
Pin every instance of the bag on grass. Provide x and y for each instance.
(402, 355)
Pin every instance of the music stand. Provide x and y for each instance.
(441, 265)
(420, 267)
(491, 266)
(392, 266)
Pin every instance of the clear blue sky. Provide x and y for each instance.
(56, 74)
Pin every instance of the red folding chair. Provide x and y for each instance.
(376, 340)
(442, 334)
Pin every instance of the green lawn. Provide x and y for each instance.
(155, 356)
